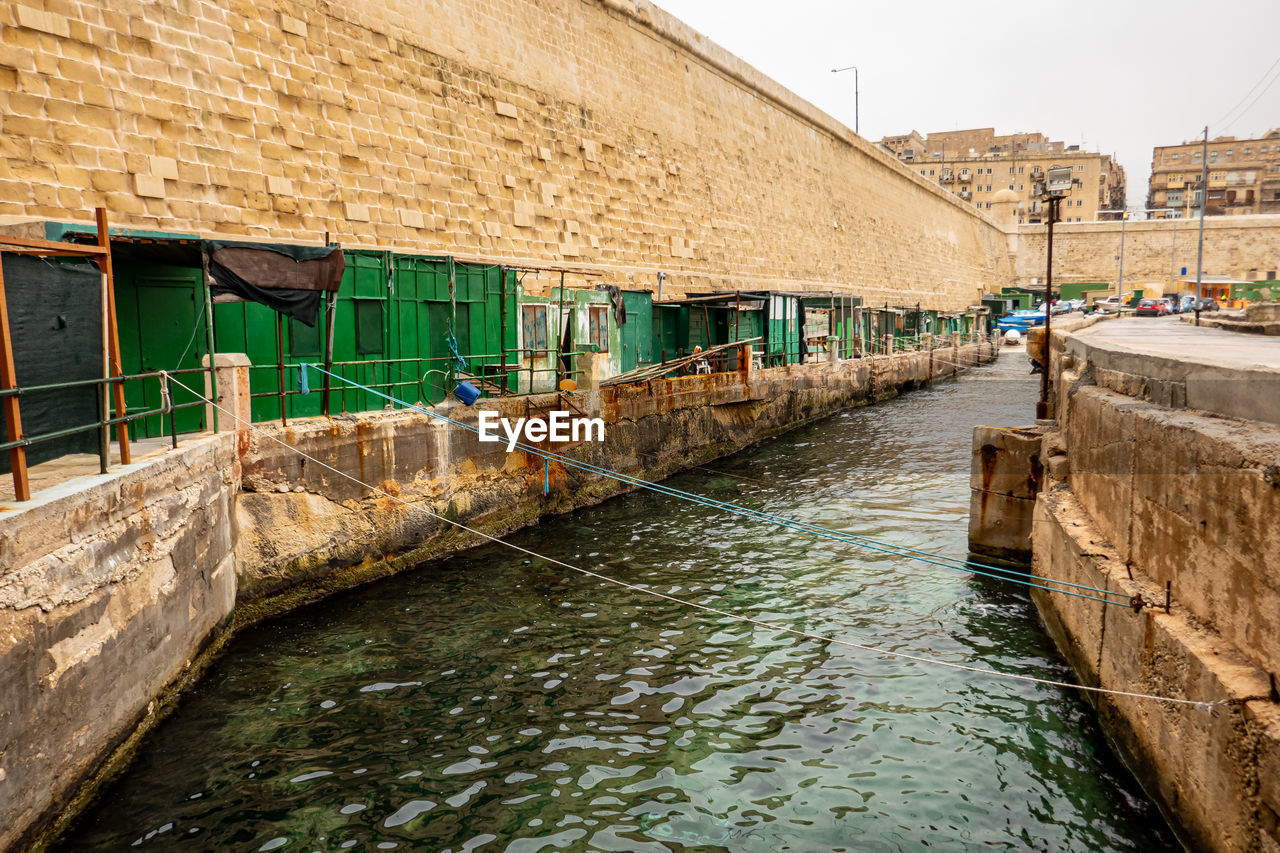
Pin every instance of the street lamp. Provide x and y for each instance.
(1055, 187)
(854, 69)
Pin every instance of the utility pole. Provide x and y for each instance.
(854, 69)
(1204, 206)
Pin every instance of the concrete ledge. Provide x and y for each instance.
(1183, 367)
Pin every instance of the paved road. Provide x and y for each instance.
(1169, 337)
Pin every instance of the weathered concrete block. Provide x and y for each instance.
(100, 622)
(1006, 460)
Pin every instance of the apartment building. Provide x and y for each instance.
(1244, 177)
(976, 164)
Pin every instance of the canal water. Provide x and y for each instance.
(492, 702)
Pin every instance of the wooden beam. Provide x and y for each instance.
(114, 365)
(18, 244)
(12, 412)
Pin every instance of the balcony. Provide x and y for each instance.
(966, 194)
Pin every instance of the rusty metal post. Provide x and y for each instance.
(280, 365)
(12, 410)
(113, 335)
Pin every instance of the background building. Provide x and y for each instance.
(976, 164)
(1244, 177)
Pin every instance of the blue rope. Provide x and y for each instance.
(996, 572)
(459, 363)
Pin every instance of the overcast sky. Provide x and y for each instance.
(1117, 77)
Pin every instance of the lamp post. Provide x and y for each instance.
(854, 69)
(1055, 187)
(1204, 208)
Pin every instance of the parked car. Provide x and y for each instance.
(1171, 303)
(1108, 304)
(1152, 308)
(1186, 303)
(1205, 304)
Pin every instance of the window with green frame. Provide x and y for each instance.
(304, 340)
(534, 321)
(598, 326)
(370, 326)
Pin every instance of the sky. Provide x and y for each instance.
(1116, 77)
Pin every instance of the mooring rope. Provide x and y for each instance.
(981, 569)
(737, 617)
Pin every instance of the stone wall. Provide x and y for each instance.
(601, 133)
(107, 591)
(1242, 247)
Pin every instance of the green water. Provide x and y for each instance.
(491, 702)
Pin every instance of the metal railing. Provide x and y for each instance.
(411, 379)
(104, 422)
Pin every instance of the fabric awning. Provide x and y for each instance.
(288, 279)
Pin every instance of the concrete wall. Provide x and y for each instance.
(107, 590)
(1151, 492)
(1243, 247)
(602, 132)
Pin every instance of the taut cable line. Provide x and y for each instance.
(737, 617)
(982, 569)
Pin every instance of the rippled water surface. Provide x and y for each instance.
(492, 702)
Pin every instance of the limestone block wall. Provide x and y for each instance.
(106, 594)
(1242, 247)
(593, 133)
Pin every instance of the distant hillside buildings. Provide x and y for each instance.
(1244, 177)
(977, 164)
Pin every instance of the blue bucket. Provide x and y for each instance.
(466, 392)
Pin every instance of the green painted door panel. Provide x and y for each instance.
(161, 322)
(636, 333)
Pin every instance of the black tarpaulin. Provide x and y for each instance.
(619, 304)
(55, 319)
(287, 279)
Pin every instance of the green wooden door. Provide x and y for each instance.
(665, 339)
(636, 334)
(362, 327)
(160, 313)
(417, 327)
